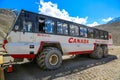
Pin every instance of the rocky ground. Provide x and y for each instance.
(108, 71)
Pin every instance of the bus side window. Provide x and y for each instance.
(96, 34)
(101, 35)
(83, 32)
(41, 25)
(65, 28)
(90, 32)
(74, 30)
(59, 28)
(106, 35)
(49, 26)
(27, 26)
(62, 28)
(18, 25)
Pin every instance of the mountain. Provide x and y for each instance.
(114, 28)
(15, 11)
(115, 20)
(7, 18)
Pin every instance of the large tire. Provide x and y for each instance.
(105, 51)
(98, 53)
(50, 58)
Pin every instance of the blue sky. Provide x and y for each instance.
(99, 11)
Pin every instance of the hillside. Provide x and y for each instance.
(6, 19)
(117, 19)
(114, 28)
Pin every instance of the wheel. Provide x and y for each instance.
(77, 55)
(98, 53)
(105, 51)
(50, 58)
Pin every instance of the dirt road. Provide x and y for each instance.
(109, 71)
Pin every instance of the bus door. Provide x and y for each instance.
(27, 32)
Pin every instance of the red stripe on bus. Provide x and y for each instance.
(82, 52)
(40, 47)
(94, 46)
(23, 55)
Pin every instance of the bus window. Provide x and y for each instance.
(65, 28)
(59, 28)
(27, 26)
(41, 25)
(83, 32)
(74, 30)
(96, 34)
(62, 28)
(49, 26)
(17, 26)
(90, 32)
(106, 35)
(101, 35)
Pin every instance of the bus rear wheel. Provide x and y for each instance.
(105, 51)
(98, 53)
(50, 58)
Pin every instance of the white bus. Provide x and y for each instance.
(46, 39)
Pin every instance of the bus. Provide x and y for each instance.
(46, 39)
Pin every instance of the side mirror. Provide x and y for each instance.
(16, 28)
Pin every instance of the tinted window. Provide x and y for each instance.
(101, 35)
(49, 26)
(74, 30)
(59, 28)
(41, 25)
(96, 34)
(27, 26)
(90, 32)
(62, 28)
(46, 25)
(17, 26)
(25, 22)
(83, 32)
(106, 35)
(65, 28)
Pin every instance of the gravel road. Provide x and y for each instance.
(108, 71)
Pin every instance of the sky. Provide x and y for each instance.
(87, 12)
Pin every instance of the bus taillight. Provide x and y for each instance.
(4, 43)
(110, 36)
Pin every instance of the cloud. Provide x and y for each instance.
(51, 9)
(106, 20)
(93, 24)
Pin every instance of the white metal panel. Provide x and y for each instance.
(26, 37)
(21, 42)
(15, 36)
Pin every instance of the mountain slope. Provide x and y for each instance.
(7, 17)
(117, 19)
(114, 28)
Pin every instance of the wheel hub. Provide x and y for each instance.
(53, 60)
